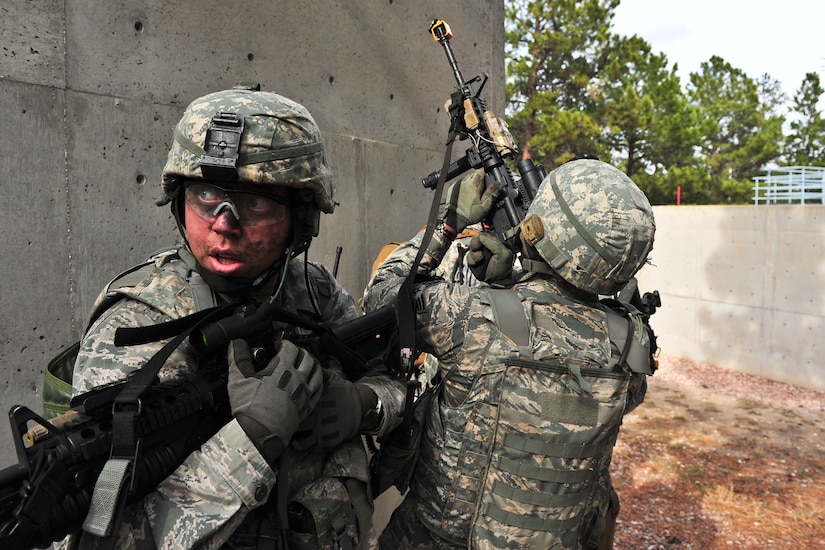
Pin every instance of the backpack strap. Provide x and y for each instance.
(624, 330)
(511, 319)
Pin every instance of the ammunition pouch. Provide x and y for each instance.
(321, 516)
(398, 453)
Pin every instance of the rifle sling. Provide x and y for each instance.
(107, 498)
(406, 294)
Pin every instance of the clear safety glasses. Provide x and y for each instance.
(251, 208)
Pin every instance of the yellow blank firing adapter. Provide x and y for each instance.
(440, 30)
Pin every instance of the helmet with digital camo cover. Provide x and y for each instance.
(591, 225)
(257, 137)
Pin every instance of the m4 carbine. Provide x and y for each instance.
(48, 493)
(491, 146)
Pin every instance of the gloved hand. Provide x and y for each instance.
(490, 260)
(270, 404)
(336, 419)
(468, 201)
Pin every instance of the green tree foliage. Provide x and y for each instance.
(574, 88)
(771, 95)
(551, 51)
(648, 124)
(805, 145)
(738, 133)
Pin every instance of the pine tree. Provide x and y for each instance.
(805, 145)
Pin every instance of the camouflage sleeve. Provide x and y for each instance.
(342, 307)
(382, 288)
(200, 505)
(210, 493)
(207, 497)
(439, 304)
(100, 362)
(390, 274)
(392, 394)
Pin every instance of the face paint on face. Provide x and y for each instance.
(226, 246)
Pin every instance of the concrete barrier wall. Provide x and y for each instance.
(743, 287)
(90, 92)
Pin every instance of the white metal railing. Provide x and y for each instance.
(790, 185)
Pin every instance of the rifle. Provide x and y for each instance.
(48, 493)
(492, 145)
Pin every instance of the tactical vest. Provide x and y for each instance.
(57, 383)
(332, 506)
(533, 459)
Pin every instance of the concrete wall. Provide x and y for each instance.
(743, 287)
(90, 92)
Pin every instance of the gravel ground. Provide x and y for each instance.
(721, 459)
(737, 384)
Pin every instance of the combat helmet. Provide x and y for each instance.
(591, 225)
(259, 137)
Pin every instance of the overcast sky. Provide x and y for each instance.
(784, 38)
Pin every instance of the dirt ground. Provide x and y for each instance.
(718, 459)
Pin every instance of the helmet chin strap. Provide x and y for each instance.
(233, 285)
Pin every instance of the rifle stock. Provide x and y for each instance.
(48, 493)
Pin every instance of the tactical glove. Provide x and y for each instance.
(485, 247)
(270, 404)
(468, 201)
(338, 416)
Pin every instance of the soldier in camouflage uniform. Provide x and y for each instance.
(246, 178)
(517, 447)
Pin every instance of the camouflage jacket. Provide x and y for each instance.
(210, 495)
(457, 324)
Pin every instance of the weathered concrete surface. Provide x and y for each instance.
(90, 92)
(743, 287)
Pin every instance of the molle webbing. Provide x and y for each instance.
(575, 446)
(523, 469)
(554, 424)
(533, 498)
(531, 523)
